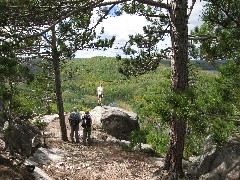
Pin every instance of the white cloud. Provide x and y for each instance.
(121, 27)
(125, 25)
(195, 19)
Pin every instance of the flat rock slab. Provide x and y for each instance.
(45, 156)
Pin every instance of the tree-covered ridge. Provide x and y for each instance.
(84, 76)
(89, 73)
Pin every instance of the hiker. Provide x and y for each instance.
(100, 94)
(74, 120)
(87, 125)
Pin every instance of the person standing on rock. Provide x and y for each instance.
(87, 127)
(74, 120)
(100, 94)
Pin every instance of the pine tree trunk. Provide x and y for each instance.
(179, 75)
(56, 65)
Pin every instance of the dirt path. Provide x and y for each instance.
(104, 159)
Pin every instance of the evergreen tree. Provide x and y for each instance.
(165, 18)
(221, 43)
(220, 31)
(12, 74)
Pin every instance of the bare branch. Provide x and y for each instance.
(191, 7)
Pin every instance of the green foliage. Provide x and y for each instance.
(202, 106)
(41, 125)
(158, 137)
(14, 104)
(21, 108)
(221, 131)
(138, 137)
(127, 148)
(213, 110)
(10, 69)
(230, 83)
(194, 144)
(41, 93)
(221, 31)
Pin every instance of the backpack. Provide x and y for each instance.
(86, 121)
(73, 119)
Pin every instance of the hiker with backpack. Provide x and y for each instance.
(87, 128)
(74, 120)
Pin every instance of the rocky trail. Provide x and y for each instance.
(103, 159)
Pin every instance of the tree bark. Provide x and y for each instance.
(56, 66)
(179, 76)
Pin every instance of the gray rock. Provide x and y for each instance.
(44, 156)
(221, 163)
(23, 138)
(115, 121)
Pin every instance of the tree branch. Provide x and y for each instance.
(227, 14)
(154, 3)
(201, 37)
(191, 8)
(89, 5)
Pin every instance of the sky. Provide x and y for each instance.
(124, 25)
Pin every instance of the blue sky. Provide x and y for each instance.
(124, 25)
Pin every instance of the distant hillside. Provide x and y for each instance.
(118, 90)
(203, 65)
(81, 77)
(88, 73)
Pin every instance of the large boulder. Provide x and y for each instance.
(115, 121)
(23, 138)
